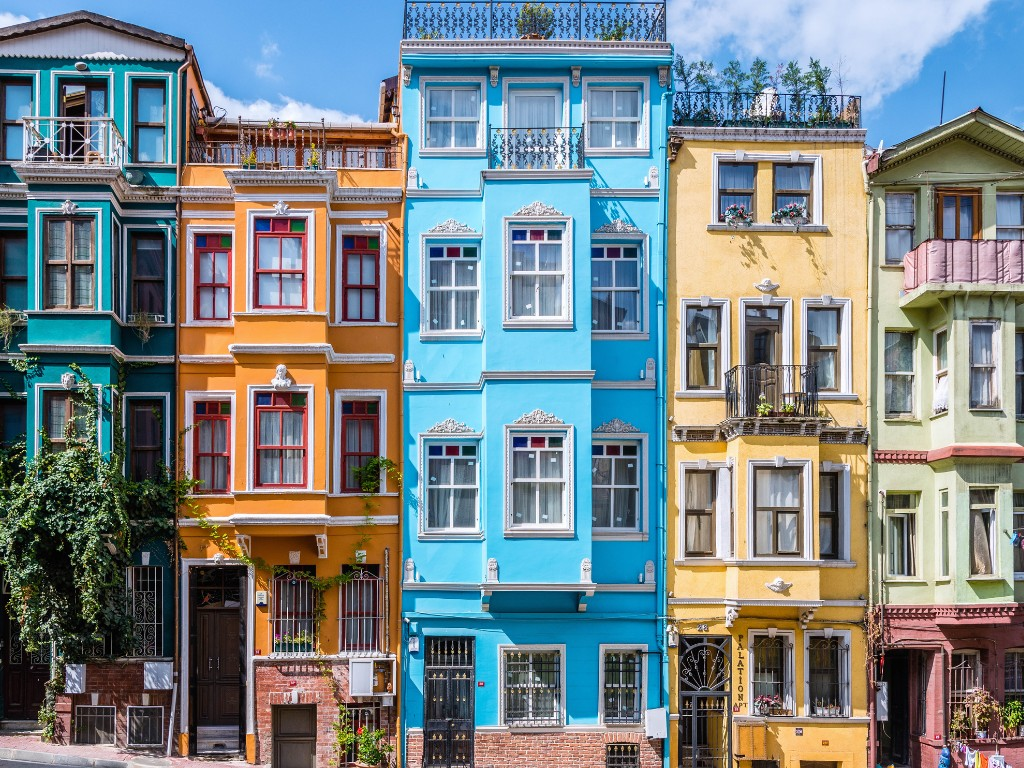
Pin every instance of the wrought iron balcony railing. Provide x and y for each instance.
(771, 390)
(524, 149)
(766, 109)
(81, 140)
(630, 20)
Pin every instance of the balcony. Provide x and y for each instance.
(312, 146)
(625, 20)
(771, 391)
(766, 109)
(940, 268)
(79, 140)
(525, 149)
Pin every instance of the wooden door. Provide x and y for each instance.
(958, 214)
(218, 666)
(25, 674)
(294, 736)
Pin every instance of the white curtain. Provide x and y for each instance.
(736, 176)
(270, 460)
(538, 109)
(775, 489)
(981, 541)
(793, 177)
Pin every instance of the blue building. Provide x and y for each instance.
(89, 158)
(534, 383)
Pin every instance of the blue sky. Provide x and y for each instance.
(327, 57)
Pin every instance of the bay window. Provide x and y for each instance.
(538, 480)
(983, 531)
(984, 365)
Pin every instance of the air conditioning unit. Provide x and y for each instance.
(371, 677)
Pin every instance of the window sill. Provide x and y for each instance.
(901, 419)
(985, 578)
(614, 152)
(703, 561)
(540, 324)
(361, 324)
(278, 491)
(907, 580)
(355, 495)
(539, 533)
(994, 409)
(838, 396)
(813, 228)
(451, 536)
(938, 414)
(281, 311)
(602, 535)
(227, 495)
(619, 336)
(451, 335)
(208, 324)
(453, 152)
(697, 393)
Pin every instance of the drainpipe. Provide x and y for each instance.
(869, 508)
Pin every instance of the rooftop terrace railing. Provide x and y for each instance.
(81, 140)
(766, 109)
(629, 20)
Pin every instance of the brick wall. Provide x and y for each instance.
(544, 749)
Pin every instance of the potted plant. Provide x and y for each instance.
(313, 163)
(200, 127)
(737, 216)
(794, 214)
(960, 724)
(535, 22)
(249, 160)
(1012, 717)
(789, 409)
(763, 408)
(290, 130)
(765, 704)
(616, 31)
(984, 710)
(272, 128)
(10, 319)
(372, 747)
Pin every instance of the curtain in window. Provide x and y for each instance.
(775, 489)
(213, 302)
(778, 488)
(292, 460)
(270, 460)
(291, 258)
(983, 384)
(827, 513)
(823, 331)
(981, 537)
(702, 363)
(464, 511)
(535, 110)
(899, 210)
(1009, 214)
(793, 177)
(899, 358)
(699, 496)
(213, 470)
(467, 104)
(731, 176)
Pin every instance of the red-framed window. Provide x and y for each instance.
(360, 290)
(211, 420)
(360, 433)
(213, 277)
(281, 439)
(280, 263)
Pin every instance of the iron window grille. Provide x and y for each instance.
(449, 652)
(145, 726)
(146, 607)
(94, 725)
(615, 290)
(965, 676)
(623, 675)
(453, 288)
(615, 472)
(771, 676)
(293, 622)
(622, 756)
(1013, 686)
(532, 688)
(362, 610)
(828, 684)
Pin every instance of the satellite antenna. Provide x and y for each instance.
(134, 176)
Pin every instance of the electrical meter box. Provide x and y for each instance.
(371, 677)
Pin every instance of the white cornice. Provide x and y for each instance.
(280, 178)
(285, 518)
(206, 195)
(524, 586)
(288, 350)
(361, 195)
(513, 174)
(520, 47)
(503, 376)
(205, 359)
(769, 134)
(92, 349)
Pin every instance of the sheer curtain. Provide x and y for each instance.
(270, 459)
(698, 490)
(293, 460)
(1009, 214)
(823, 331)
(535, 109)
(983, 368)
(778, 501)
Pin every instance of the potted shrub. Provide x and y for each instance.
(789, 409)
(984, 711)
(794, 214)
(313, 163)
(200, 127)
(10, 319)
(535, 22)
(372, 747)
(249, 159)
(960, 725)
(290, 130)
(1012, 717)
(272, 128)
(763, 408)
(737, 216)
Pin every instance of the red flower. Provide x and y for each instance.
(360, 731)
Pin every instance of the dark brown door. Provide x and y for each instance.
(958, 214)
(764, 335)
(294, 734)
(218, 666)
(25, 674)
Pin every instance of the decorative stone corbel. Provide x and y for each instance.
(408, 372)
(281, 208)
(663, 76)
(294, 557)
(413, 180)
(732, 612)
(68, 380)
(406, 74)
(806, 617)
(586, 571)
(492, 570)
(779, 586)
(68, 207)
(653, 177)
(409, 569)
(281, 378)
(649, 572)
(244, 543)
(575, 71)
(649, 370)
(321, 545)
(494, 75)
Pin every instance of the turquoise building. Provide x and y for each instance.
(91, 147)
(534, 408)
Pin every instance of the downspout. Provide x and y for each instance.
(868, 495)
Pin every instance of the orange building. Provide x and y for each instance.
(288, 383)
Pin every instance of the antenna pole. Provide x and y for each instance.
(942, 102)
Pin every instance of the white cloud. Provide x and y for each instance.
(283, 108)
(881, 43)
(264, 68)
(8, 19)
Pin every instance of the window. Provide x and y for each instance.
(17, 103)
(280, 263)
(703, 347)
(777, 512)
(532, 683)
(146, 605)
(940, 403)
(67, 418)
(899, 374)
(615, 272)
(793, 185)
(538, 481)
(453, 487)
(150, 122)
(213, 277)
(145, 726)
(452, 118)
(924, 677)
(901, 527)
(280, 439)
(622, 702)
(14, 270)
(984, 365)
(983, 531)
(453, 289)
(94, 725)
(613, 118)
(615, 468)
(362, 617)
(148, 276)
(735, 187)
(958, 214)
(621, 756)
(70, 262)
(360, 431)
(1013, 687)
(700, 494)
(13, 413)
(944, 532)
(823, 338)
(964, 677)
(899, 226)
(771, 675)
(1009, 217)
(828, 682)
(537, 274)
(360, 289)
(1018, 372)
(145, 438)
(829, 518)
(293, 619)
(212, 451)
(1018, 527)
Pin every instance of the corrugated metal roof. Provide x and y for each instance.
(87, 17)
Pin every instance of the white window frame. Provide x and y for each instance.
(786, 304)
(565, 320)
(790, 662)
(912, 374)
(844, 472)
(724, 307)
(640, 242)
(643, 85)
(375, 230)
(250, 449)
(170, 150)
(191, 398)
(845, 384)
(840, 634)
(886, 227)
(724, 512)
(1019, 233)
(567, 526)
(909, 549)
(642, 519)
(365, 395)
(807, 520)
(815, 212)
(191, 230)
(509, 648)
(250, 261)
(428, 240)
(448, 83)
(462, 438)
(995, 367)
(941, 374)
(993, 532)
(603, 649)
(943, 560)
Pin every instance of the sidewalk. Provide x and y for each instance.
(29, 748)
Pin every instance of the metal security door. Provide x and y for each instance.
(449, 680)
(705, 671)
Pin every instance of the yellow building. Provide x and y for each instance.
(289, 383)
(767, 463)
